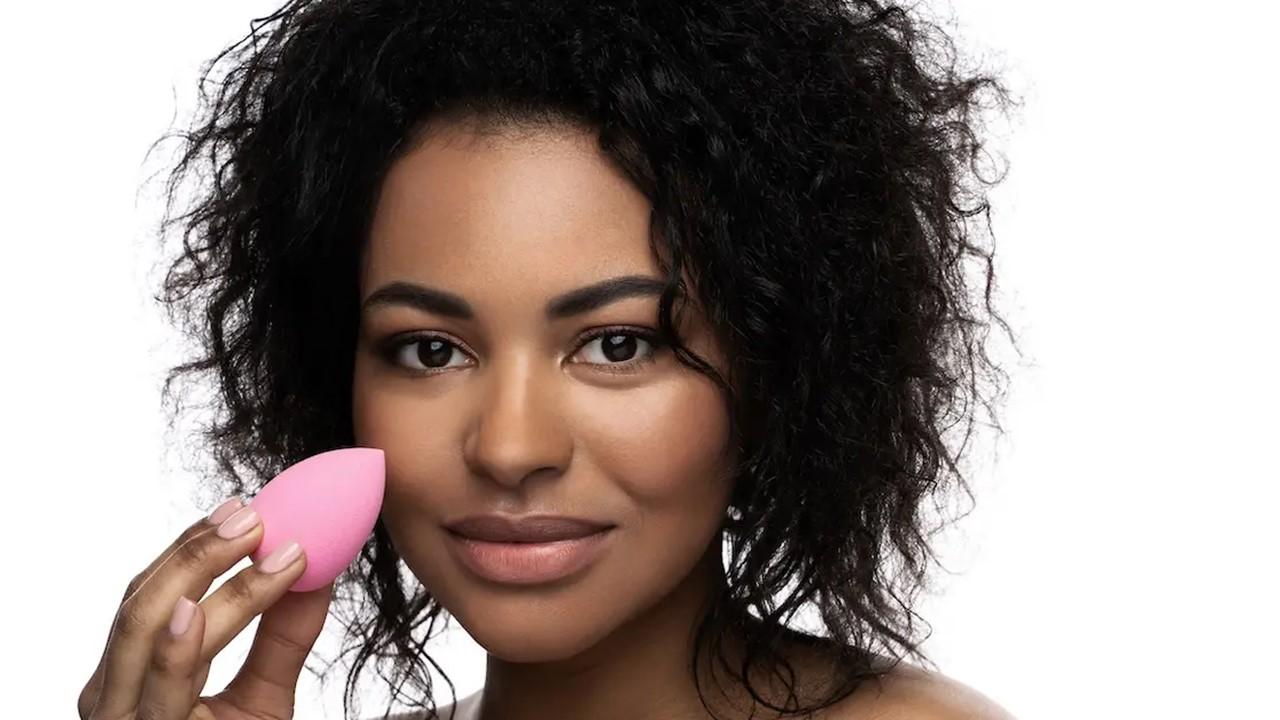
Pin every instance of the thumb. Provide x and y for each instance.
(286, 631)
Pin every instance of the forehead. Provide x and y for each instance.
(532, 212)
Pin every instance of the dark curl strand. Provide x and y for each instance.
(811, 164)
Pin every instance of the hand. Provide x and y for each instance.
(148, 673)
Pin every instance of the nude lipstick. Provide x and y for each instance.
(527, 550)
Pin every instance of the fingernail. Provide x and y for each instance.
(281, 557)
(181, 618)
(238, 524)
(223, 511)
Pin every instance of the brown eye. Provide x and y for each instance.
(618, 347)
(422, 353)
(620, 350)
(434, 352)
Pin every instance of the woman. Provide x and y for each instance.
(685, 275)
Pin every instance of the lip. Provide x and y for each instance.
(495, 527)
(528, 563)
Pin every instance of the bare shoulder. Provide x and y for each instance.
(913, 693)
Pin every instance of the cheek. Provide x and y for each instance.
(664, 449)
(421, 448)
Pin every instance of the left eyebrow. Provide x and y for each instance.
(575, 302)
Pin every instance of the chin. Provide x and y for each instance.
(521, 631)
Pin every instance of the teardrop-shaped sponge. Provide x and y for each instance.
(329, 503)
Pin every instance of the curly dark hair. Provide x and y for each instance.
(812, 163)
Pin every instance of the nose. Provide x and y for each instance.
(519, 428)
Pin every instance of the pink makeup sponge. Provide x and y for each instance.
(329, 503)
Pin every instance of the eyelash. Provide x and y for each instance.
(390, 349)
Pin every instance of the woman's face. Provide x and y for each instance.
(515, 411)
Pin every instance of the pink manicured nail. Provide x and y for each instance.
(181, 618)
(238, 524)
(281, 557)
(223, 511)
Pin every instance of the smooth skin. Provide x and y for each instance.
(146, 673)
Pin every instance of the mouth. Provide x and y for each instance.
(499, 528)
(527, 562)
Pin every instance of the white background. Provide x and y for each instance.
(1120, 562)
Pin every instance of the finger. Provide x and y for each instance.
(228, 508)
(248, 593)
(189, 570)
(168, 690)
(92, 689)
(268, 680)
(201, 678)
